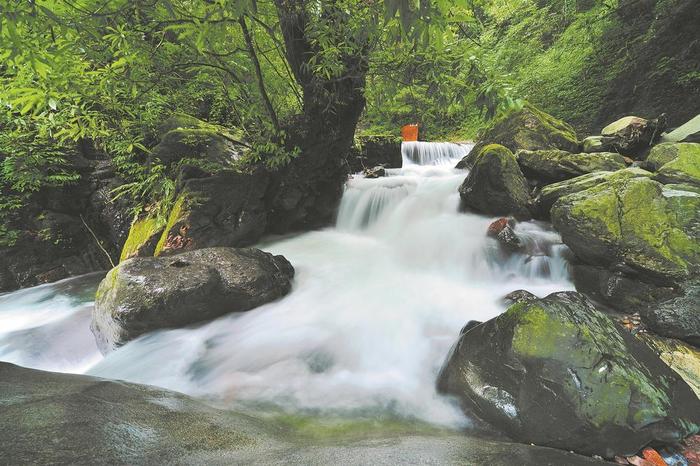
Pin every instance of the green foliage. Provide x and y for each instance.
(273, 155)
(154, 191)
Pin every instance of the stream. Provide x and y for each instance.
(377, 301)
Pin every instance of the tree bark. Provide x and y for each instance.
(309, 190)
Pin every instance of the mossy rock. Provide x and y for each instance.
(552, 165)
(557, 372)
(371, 150)
(663, 153)
(552, 192)
(210, 147)
(495, 185)
(528, 128)
(684, 167)
(225, 209)
(635, 223)
(144, 235)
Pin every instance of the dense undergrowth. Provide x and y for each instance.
(584, 61)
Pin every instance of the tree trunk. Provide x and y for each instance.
(310, 187)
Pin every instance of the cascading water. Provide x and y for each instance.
(376, 304)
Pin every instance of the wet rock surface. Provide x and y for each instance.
(60, 418)
(145, 294)
(66, 231)
(557, 372)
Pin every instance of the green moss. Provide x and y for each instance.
(646, 226)
(684, 167)
(177, 213)
(328, 428)
(537, 335)
(579, 344)
(142, 235)
(601, 207)
(107, 284)
(531, 129)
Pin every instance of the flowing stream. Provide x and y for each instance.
(376, 304)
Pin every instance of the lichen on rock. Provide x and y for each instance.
(635, 223)
(527, 128)
(557, 372)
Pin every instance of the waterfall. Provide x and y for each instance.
(377, 302)
(433, 153)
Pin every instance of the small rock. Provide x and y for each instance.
(498, 225)
(518, 296)
(374, 172)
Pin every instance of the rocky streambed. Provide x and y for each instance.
(335, 345)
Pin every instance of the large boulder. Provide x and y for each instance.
(549, 194)
(557, 372)
(186, 138)
(495, 185)
(678, 317)
(52, 418)
(150, 293)
(550, 166)
(636, 224)
(684, 167)
(633, 135)
(371, 150)
(528, 128)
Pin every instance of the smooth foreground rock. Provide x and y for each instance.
(51, 418)
(528, 128)
(636, 224)
(495, 185)
(557, 372)
(550, 166)
(150, 293)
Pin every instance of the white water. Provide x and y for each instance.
(377, 302)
